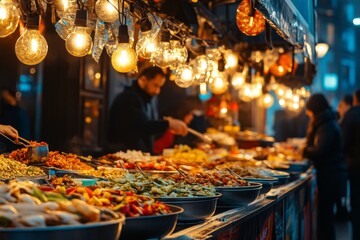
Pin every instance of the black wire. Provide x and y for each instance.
(120, 19)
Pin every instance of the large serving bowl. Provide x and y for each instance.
(267, 183)
(196, 209)
(109, 230)
(146, 227)
(238, 196)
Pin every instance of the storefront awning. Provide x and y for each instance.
(293, 20)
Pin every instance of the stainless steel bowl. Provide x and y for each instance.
(146, 227)
(109, 230)
(38, 154)
(238, 196)
(195, 208)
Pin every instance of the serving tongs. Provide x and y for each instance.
(36, 154)
(147, 177)
(262, 159)
(200, 135)
(21, 141)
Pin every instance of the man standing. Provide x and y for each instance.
(343, 107)
(351, 135)
(132, 120)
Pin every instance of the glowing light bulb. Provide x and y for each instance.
(223, 110)
(184, 76)
(296, 98)
(237, 80)
(219, 84)
(31, 47)
(179, 52)
(256, 90)
(281, 69)
(245, 92)
(266, 100)
(146, 45)
(203, 88)
(288, 93)
(65, 4)
(231, 59)
(282, 102)
(200, 66)
(106, 10)
(162, 57)
(9, 18)
(321, 49)
(124, 58)
(79, 42)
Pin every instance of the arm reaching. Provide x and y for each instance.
(9, 131)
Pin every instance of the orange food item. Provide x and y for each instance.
(69, 161)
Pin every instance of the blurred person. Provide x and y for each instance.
(132, 119)
(351, 134)
(184, 110)
(344, 106)
(14, 115)
(324, 149)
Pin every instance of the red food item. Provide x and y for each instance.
(249, 25)
(128, 203)
(20, 155)
(34, 144)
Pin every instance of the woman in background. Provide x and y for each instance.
(324, 149)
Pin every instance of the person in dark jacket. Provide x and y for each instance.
(324, 148)
(132, 119)
(351, 134)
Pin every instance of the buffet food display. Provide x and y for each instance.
(196, 182)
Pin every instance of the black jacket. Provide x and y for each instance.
(130, 126)
(324, 144)
(350, 126)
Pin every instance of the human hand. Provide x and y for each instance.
(179, 127)
(9, 131)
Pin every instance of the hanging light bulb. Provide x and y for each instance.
(237, 80)
(219, 84)
(78, 43)
(266, 100)
(147, 43)
(200, 65)
(106, 10)
(256, 90)
(231, 59)
(282, 102)
(179, 53)
(162, 56)
(184, 76)
(9, 18)
(245, 92)
(31, 47)
(124, 58)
